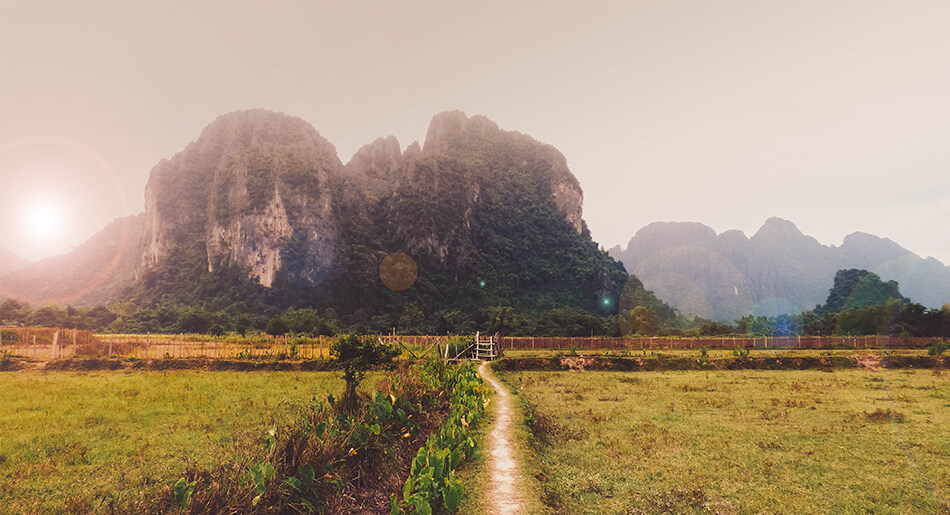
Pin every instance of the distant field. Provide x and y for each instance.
(742, 442)
(66, 436)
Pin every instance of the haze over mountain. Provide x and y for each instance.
(259, 213)
(777, 270)
(10, 261)
(92, 273)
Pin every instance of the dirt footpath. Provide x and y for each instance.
(505, 495)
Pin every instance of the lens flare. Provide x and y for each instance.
(43, 219)
(398, 271)
(46, 219)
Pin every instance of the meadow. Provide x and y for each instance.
(85, 440)
(740, 441)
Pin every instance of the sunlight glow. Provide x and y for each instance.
(43, 219)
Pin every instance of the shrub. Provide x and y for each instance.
(938, 347)
(9, 337)
(356, 355)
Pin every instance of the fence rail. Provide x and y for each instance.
(758, 342)
(46, 344)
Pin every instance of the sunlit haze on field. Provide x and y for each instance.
(834, 115)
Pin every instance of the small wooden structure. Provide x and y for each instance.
(486, 347)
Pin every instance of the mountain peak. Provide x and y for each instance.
(250, 128)
(778, 227)
(377, 158)
(447, 126)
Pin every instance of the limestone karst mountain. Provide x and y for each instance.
(777, 270)
(259, 209)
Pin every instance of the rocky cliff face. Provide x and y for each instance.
(460, 158)
(254, 190)
(778, 270)
(501, 154)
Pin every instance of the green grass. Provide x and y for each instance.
(742, 442)
(70, 437)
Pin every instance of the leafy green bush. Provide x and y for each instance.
(937, 348)
(356, 355)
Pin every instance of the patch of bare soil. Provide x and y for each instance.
(576, 362)
(868, 361)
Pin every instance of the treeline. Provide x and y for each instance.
(859, 304)
(410, 319)
(893, 319)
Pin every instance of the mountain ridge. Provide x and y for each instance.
(9, 261)
(95, 272)
(780, 268)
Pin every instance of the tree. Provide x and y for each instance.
(643, 320)
(242, 323)
(855, 288)
(277, 325)
(714, 329)
(499, 318)
(47, 316)
(357, 354)
(195, 321)
(412, 320)
(14, 311)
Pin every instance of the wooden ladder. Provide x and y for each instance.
(485, 347)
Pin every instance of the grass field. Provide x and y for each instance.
(741, 442)
(78, 440)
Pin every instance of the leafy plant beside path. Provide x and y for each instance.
(432, 485)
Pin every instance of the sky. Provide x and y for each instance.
(834, 115)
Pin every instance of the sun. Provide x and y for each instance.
(43, 219)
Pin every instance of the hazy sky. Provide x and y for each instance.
(835, 115)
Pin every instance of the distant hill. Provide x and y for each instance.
(10, 261)
(777, 270)
(92, 273)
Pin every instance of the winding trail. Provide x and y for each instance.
(505, 495)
